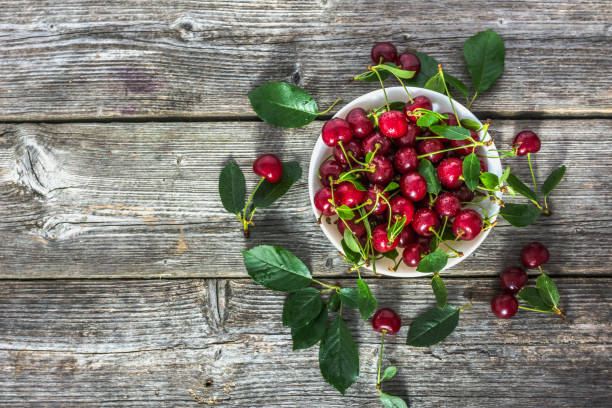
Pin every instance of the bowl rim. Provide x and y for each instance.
(399, 94)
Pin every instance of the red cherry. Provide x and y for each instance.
(413, 186)
(452, 119)
(409, 62)
(383, 170)
(384, 50)
(347, 194)
(376, 138)
(405, 160)
(359, 122)
(406, 237)
(371, 194)
(380, 239)
(330, 169)
(447, 205)
(449, 171)
(465, 150)
(400, 207)
(513, 279)
(424, 220)
(268, 166)
(534, 255)
(467, 224)
(335, 130)
(358, 229)
(393, 124)
(430, 146)
(464, 194)
(322, 201)
(412, 254)
(420, 101)
(527, 142)
(354, 147)
(504, 305)
(483, 164)
(409, 138)
(387, 320)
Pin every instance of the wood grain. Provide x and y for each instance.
(83, 59)
(183, 342)
(121, 200)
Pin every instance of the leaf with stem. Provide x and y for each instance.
(471, 171)
(489, 180)
(451, 132)
(338, 356)
(310, 334)
(532, 297)
(471, 124)
(548, 290)
(520, 215)
(391, 401)
(433, 326)
(433, 262)
(350, 297)
(302, 307)
(429, 173)
(283, 104)
(232, 188)
(389, 373)
(439, 289)
(519, 187)
(367, 302)
(553, 179)
(276, 268)
(484, 54)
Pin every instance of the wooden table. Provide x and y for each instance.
(123, 283)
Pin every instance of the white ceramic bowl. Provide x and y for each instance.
(376, 99)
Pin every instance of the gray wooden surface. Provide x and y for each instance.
(116, 119)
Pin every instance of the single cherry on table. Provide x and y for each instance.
(268, 166)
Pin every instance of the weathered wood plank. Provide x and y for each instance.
(87, 59)
(111, 200)
(179, 342)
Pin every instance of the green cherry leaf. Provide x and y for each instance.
(436, 84)
(520, 215)
(519, 187)
(391, 401)
(345, 212)
(548, 290)
(471, 171)
(391, 186)
(350, 297)
(471, 124)
(389, 373)
(232, 188)
(398, 72)
(429, 68)
(392, 255)
(484, 54)
(338, 356)
(352, 256)
(433, 262)
(309, 335)
(276, 268)
(433, 326)
(457, 84)
(553, 179)
(370, 76)
(429, 173)
(532, 296)
(451, 132)
(504, 176)
(333, 304)
(489, 180)
(397, 106)
(268, 193)
(439, 289)
(367, 302)
(351, 240)
(427, 120)
(302, 307)
(283, 104)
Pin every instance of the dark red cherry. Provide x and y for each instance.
(371, 194)
(464, 194)
(527, 142)
(405, 160)
(406, 237)
(413, 186)
(330, 168)
(420, 101)
(360, 123)
(425, 242)
(335, 130)
(376, 138)
(386, 320)
(504, 305)
(413, 253)
(425, 219)
(534, 255)
(513, 279)
(384, 50)
(322, 201)
(409, 62)
(450, 171)
(452, 119)
(447, 205)
(431, 146)
(353, 146)
(483, 164)
(380, 239)
(393, 124)
(347, 194)
(465, 150)
(358, 229)
(383, 170)
(409, 138)
(467, 224)
(400, 207)
(268, 166)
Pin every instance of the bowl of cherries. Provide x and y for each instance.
(369, 186)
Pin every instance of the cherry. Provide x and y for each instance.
(347, 194)
(467, 224)
(393, 124)
(400, 207)
(353, 146)
(268, 166)
(386, 320)
(360, 123)
(447, 205)
(409, 138)
(513, 279)
(405, 160)
(450, 171)
(358, 229)
(406, 237)
(424, 220)
(409, 62)
(483, 164)
(322, 202)
(452, 119)
(383, 170)
(431, 146)
(335, 130)
(413, 186)
(371, 194)
(534, 255)
(380, 239)
(504, 305)
(465, 150)
(412, 254)
(425, 242)
(384, 50)
(464, 194)
(330, 169)
(527, 142)
(420, 101)
(376, 138)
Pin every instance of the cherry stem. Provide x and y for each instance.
(472, 101)
(355, 159)
(448, 94)
(330, 108)
(428, 137)
(405, 89)
(345, 155)
(389, 206)
(540, 268)
(532, 175)
(382, 342)
(536, 310)
(448, 150)
(457, 253)
(325, 284)
(245, 223)
(369, 212)
(383, 87)
(466, 306)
